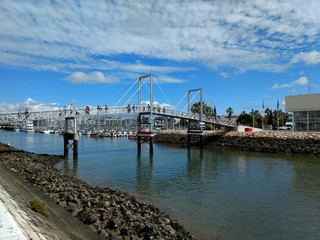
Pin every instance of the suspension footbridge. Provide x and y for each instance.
(102, 115)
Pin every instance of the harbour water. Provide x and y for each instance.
(225, 195)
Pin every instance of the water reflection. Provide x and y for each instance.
(74, 166)
(201, 164)
(306, 179)
(144, 173)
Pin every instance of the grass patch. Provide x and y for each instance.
(39, 206)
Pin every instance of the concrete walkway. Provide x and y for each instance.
(8, 227)
(14, 222)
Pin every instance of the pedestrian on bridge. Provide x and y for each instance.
(99, 109)
(87, 110)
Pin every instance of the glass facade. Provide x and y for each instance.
(307, 121)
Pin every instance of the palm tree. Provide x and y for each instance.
(230, 112)
(195, 108)
(256, 118)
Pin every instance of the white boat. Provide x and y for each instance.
(28, 128)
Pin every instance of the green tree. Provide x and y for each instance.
(207, 110)
(244, 119)
(229, 112)
(268, 116)
(257, 118)
(215, 112)
(283, 117)
(270, 119)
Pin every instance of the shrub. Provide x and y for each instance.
(39, 206)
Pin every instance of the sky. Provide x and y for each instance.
(241, 53)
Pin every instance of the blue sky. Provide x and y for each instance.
(56, 53)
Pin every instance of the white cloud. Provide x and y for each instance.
(29, 104)
(94, 77)
(302, 81)
(250, 35)
(307, 58)
(167, 79)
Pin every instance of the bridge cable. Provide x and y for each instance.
(163, 93)
(190, 101)
(181, 100)
(127, 92)
(211, 105)
(153, 96)
(134, 93)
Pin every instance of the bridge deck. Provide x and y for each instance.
(111, 112)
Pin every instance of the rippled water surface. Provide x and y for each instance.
(215, 194)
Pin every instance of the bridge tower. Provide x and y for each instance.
(145, 133)
(195, 128)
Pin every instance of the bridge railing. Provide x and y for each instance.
(15, 117)
(60, 114)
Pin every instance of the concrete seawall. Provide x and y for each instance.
(180, 137)
(273, 141)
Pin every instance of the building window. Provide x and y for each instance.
(314, 121)
(307, 121)
(300, 121)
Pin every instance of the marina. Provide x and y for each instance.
(143, 119)
(214, 194)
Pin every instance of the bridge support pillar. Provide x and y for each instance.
(145, 137)
(139, 144)
(71, 133)
(145, 133)
(197, 133)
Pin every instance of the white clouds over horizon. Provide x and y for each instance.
(302, 81)
(29, 104)
(67, 36)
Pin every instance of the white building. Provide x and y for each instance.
(306, 111)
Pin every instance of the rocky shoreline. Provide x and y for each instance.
(263, 141)
(111, 214)
(273, 142)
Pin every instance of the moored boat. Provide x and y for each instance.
(29, 127)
